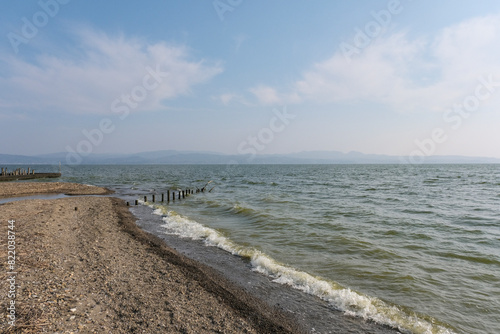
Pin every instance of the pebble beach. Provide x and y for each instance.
(83, 266)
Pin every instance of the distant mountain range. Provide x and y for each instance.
(192, 157)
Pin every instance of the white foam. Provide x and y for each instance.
(352, 303)
(186, 228)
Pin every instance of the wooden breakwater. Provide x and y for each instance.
(172, 195)
(25, 174)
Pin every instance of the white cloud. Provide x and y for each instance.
(226, 98)
(266, 94)
(102, 69)
(230, 98)
(423, 74)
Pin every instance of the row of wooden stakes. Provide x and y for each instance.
(17, 172)
(180, 195)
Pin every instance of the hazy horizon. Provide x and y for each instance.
(258, 154)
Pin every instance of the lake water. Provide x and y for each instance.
(414, 247)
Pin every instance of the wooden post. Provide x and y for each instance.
(180, 195)
(145, 198)
(162, 197)
(153, 198)
(173, 195)
(136, 202)
(128, 204)
(168, 195)
(183, 194)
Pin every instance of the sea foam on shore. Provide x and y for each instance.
(352, 303)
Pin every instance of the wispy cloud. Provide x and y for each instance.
(266, 94)
(404, 73)
(102, 68)
(230, 98)
(270, 96)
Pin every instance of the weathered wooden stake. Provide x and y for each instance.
(162, 197)
(145, 198)
(168, 195)
(180, 195)
(153, 198)
(136, 202)
(128, 204)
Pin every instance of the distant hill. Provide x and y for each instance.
(192, 157)
(20, 159)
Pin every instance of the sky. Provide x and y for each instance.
(399, 77)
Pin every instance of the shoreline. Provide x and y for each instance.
(21, 177)
(20, 189)
(84, 265)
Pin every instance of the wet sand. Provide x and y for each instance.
(84, 266)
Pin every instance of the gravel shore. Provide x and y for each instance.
(83, 266)
(18, 189)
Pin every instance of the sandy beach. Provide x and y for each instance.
(83, 266)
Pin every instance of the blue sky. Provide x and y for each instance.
(411, 78)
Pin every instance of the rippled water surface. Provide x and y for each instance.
(416, 247)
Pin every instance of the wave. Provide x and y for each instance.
(253, 182)
(490, 260)
(350, 302)
(417, 211)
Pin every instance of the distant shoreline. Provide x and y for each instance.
(7, 178)
(200, 157)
